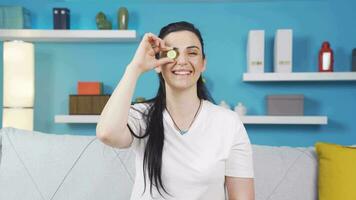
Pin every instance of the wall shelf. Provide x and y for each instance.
(300, 76)
(302, 120)
(76, 119)
(256, 119)
(37, 35)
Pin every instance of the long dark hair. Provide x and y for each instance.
(152, 161)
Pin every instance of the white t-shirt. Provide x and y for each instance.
(194, 165)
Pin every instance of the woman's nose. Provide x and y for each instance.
(182, 58)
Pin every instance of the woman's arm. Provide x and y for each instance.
(112, 125)
(240, 188)
(111, 128)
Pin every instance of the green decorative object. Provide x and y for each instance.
(123, 18)
(102, 22)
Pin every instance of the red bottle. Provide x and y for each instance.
(326, 58)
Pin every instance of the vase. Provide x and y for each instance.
(240, 109)
(123, 18)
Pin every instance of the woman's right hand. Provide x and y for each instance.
(144, 59)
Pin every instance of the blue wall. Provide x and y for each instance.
(224, 27)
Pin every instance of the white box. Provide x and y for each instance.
(256, 51)
(283, 51)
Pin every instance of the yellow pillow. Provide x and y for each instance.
(337, 171)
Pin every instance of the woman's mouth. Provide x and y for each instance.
(182, 72)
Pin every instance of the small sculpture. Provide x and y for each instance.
(123, 18)
(102, 22)
(240, 109)
(224, 104)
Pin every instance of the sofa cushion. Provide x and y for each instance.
(0, 148)
(285, 173)
(42, 166)
(337, 171)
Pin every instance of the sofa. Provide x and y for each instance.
(48, 166)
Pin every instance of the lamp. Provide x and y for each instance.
(19, 85)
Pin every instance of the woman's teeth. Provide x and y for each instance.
(182, 72)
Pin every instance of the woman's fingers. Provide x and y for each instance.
(157, 43)
(164, 61)
(153, 39)
(166, 48)
(153, 45)
(160, 48)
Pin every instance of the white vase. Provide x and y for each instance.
(240, 109)
(224, 104)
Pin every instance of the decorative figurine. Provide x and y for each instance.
(240, 109)
(102, 22)
(326, 58)
(224, 104)
(123, 18)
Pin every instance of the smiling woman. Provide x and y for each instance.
(186, 69)
(186, 146)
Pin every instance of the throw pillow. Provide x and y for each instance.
(337, 171)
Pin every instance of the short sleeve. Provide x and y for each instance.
(240, 161)
(136, 121)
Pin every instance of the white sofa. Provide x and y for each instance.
(43, 166)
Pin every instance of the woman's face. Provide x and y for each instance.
(186, 70)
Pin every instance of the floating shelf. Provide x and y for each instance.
(300, 76)
(76, 119)
(260, 119)
(257, 119)
(37, 35)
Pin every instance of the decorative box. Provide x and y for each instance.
(255, 51)
(14, 17)
(61, 18)
(87, 104)
(283, 51)
(89, 88)
(285, 104)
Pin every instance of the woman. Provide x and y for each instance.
(186, 147)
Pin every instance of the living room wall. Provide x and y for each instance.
(224, 26)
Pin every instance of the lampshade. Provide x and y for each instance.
(19, 84)
(18, 117)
